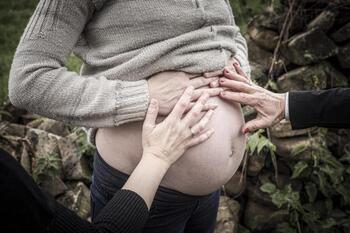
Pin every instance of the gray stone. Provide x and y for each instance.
(53, 185)
(256, 214)
(51, 126)
(236, 185)
(255, 164)
(42, 142)
(287, 147)
(11, 144)
(249, 113)
(35, 123)
(26, 160)
(342, 35)
(284, 130)
(227, 219)
(344, 56)
(265, 38)
(255, 194)
(258, 73)
(75, 165)
(77, 200)
(314, 77)
(268, 20)
(323, 21)
(29, 117)
(259, 55)
(7, 128)
(309, 47)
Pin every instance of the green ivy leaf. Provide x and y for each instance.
(253, 141)
(298, 150)
(263, 142)
(268, 188)
(311, 191)
(299, 167)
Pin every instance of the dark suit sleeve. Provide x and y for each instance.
(327, 108)
(26, 208)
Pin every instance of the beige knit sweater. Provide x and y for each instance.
(122, 43)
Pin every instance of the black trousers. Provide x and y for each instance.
(171, 211)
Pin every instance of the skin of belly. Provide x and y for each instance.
(202, 169)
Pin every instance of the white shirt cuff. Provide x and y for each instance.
(286, 107)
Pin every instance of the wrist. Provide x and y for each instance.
(156, 160)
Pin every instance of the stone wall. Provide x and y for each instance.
(313, 55)
(309, 51)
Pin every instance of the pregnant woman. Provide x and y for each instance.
(134, 50)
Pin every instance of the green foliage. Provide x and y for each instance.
(14, 16)
(322, 203)
(282, 197)
(48, 165)
(258, 143)
(85, 149)
(245, 10)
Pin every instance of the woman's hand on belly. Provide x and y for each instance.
(167, 87)
(169, 139)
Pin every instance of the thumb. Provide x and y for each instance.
(253, 125)
(151, 115)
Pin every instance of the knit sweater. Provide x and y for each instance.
(122, 44)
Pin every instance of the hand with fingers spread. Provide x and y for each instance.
(233, 66)
(169, 139)
(167, 87)
(270, 106)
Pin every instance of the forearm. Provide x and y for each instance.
(126, 212)
(41, 84)
(327, 108)
(145, 181)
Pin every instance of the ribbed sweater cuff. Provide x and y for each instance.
(132, 101)
(126, 212)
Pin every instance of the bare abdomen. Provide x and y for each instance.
(202, 169)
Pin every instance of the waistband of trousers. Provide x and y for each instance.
(105, 173)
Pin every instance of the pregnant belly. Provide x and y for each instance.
(202, 169)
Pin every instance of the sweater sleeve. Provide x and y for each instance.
(41, 84)
(126, 212)
(242, 53)
(242, 48)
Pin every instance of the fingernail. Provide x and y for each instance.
(222, 93)
(245, 131)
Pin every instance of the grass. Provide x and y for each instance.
(14, 16)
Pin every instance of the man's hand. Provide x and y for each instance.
(167, 87)
(269, 105)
